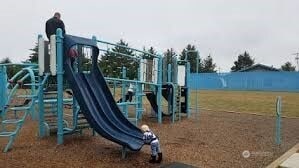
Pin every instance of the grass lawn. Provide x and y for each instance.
(258, 102)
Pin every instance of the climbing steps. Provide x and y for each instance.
(50, 112)
(184, 99)
(77, 119)
(11, 124)
(81, 121)
(78, 124)
(178, 102)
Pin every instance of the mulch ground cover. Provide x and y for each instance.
(215, 139)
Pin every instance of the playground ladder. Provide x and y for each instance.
(178, 102)
(18, 122)
(79, 121)
(50, 112)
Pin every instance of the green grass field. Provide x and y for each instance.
(258, 102)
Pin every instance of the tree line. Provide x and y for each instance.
(111, 61)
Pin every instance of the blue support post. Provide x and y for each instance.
(124, 152)
(278, 121)
(114, 88)
(138, 113)
(75, 109)
(138, 94)
(33, 91)
(59, 50)
(3, 89)
(187, 83)
(170, 104)
(175, 71)
(159, 85)
(41, 110)
(95, 40)
(123, 91)
(75, 103)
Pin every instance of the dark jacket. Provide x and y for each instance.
(53, 24)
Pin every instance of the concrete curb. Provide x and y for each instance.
(284, 157)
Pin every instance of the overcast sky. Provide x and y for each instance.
(267, 29)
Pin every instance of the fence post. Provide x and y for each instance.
(278, 120)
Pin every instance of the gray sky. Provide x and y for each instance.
(267, 29)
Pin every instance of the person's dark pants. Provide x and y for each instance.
(129, 96)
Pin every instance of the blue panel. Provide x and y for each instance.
(265, 81)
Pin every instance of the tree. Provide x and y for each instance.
(33, 57)
(151, 50)
(5, 61)
(244, 60)
(169, 56)
(191, 52)
(288, 67)
(149, 64)
(11, 69)
(114, 59)
(208, 66)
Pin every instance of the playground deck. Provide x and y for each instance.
(217, 139)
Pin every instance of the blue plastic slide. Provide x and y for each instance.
(99, 106)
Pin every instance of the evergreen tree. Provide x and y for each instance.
(11, 69)
(151, 50)
(113, 60)
(5, 61)
(33, 57)
(208, 65)
(191, 52)
(169, 56)
(149, 64)
(288, 67)
(244, 60)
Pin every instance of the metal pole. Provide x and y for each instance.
(187, 75)
(196, 96)
(41, 103)
(123, 91)
(114, 88)
(278, 121)
(41, 110)
(59, 47)
(3, 88)
(159, 84)
(169, 95)
(138, 94)
(75, 103)
(187, 98)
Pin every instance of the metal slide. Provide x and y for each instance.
(100, 108)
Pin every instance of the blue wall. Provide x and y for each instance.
(266, 81)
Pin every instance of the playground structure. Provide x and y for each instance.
(229, 127)
(93, 105)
